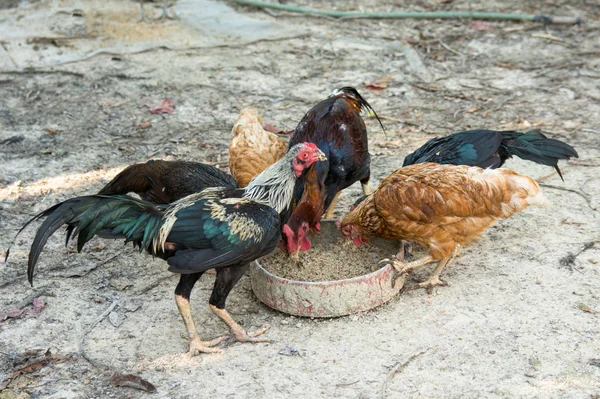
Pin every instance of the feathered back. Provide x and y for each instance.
(440, 205)
(252, 148)
(163, 182)
(356, 100)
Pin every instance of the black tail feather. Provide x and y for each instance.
(85, 217)
(40, 215)
(363, 104)
(536, 147)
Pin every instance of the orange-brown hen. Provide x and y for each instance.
(252, 148)
(441, 207)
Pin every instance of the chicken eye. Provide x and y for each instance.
(305, 155)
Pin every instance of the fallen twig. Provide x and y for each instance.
(398, 368)
(131, 381)
(581, 194)
(169, 48)
(444, 45)
(32, 71)
(81, 346)
(548, 176)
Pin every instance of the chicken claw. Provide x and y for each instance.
(431, 282)
(241, 335)
(198, 346)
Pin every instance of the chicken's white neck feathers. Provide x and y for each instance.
(274, 186)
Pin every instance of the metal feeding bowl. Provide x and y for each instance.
(329, 298)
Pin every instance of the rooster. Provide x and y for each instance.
(220, 228)
(252, 148)
(337, 128)
(163, 182)
(310, 208)
(490, 149)
(441, 207)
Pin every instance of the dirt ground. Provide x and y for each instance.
(520, 316)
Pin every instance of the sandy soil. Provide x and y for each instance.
(519, 318)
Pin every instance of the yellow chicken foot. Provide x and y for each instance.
(197, 346)
(238, 332)
(329, 213)
(366, 188)
(407, 267)
(403, 268)
(434, 278)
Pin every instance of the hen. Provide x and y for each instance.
(441, 207)
(163, 182)
(337, 128)
(252, 148)
(490, 149)
(220, 228)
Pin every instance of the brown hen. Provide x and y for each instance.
(441, 207)
(252, 148)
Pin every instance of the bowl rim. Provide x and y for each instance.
(362, 277)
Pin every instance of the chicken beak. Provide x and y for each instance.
(321, 156)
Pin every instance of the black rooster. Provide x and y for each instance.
(220, 228)
(490, 149)
(337, 128)
(163, 182)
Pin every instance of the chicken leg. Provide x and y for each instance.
(366, 188)
(227, 277)
(403, 268)
(182, 299)
(329, 213)
(434, 278)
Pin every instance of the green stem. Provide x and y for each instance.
(417, 14)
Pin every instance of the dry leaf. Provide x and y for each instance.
(165, 107)
(479, 25)
(547, 36)
(38, 305)
(379, 85)
(472, 110)
(586, 308)
(143, 124)
(507, 65)
(52, 130)
(131, 381)
(33, 366)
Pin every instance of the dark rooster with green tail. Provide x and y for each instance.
(220, 228)
(490, 149)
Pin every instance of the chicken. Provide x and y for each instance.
(337, 128)
(490, 149)
(220, 228)
(442, 207)
(252, 148)
(307, 214)
(163, 182)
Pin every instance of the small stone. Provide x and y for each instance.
(116, 319)
(132, 304)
